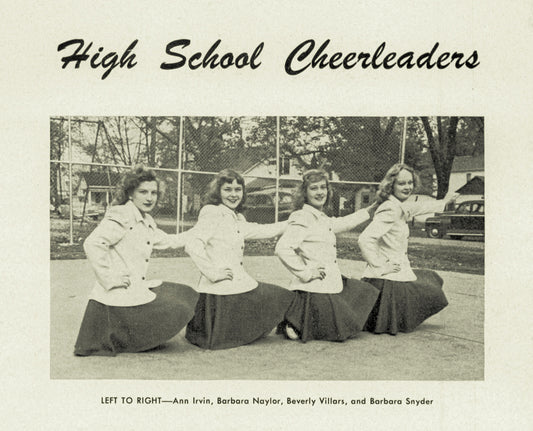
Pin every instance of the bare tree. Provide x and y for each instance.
(442, 144)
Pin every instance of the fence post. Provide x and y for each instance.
(276, 196)
(180, 161)
(402, 145)
(70, 198)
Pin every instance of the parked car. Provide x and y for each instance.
(468, 219)
(260, 208)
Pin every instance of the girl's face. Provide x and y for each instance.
(317, 194)
(404, 185)
(144, 197)
(231, 194)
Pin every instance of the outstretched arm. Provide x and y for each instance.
(261, 231)
(164, 240)
(341, 224)
(416, 208)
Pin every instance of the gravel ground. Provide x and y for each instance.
(448, 346)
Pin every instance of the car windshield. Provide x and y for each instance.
(463, 208)
(478, 208)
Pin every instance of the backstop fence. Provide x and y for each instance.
(89, 154)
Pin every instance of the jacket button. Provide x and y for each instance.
(241, 263)
(131, 227)
(143, 278)
(148, 242)
(146, 260)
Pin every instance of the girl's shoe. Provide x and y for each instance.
(290, 332)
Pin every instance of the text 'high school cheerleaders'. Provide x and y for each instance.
(307, 55)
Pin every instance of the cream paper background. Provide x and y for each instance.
(34, 87)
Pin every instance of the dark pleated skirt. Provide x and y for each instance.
(332, 316)
(403, 305)
(226, 321)
(107, 330)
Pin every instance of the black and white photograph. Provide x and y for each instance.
(260, 238)
(270, 215)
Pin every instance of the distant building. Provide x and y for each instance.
(473, 189)
(467, 181)
(464, 170)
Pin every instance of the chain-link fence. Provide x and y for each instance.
(89, 154)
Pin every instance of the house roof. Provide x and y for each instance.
(476, 186)
(243, 159)
(468, 163)
(100, 179)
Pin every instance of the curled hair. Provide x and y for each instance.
(130, 181)
(386, 187)
(212, 196)
(309, 177)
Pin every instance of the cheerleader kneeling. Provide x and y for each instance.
(327, 305)
(407, 297)
(126, 312)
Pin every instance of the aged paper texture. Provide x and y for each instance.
(35, 88)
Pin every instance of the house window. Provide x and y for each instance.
(365, 198)
(98, 197)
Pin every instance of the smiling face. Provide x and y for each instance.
(231, 194)
(403, 186)
(144, 197)
(317, 194)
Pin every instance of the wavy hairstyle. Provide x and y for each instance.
(212, 197)
(386, 187)
(130, 181)
(308, 178)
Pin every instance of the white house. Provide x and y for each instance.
(464, 170)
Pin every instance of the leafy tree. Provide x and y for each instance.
(363, 148)
(356, 148)
(470, 136)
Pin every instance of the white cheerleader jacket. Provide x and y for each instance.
(310, 242)
(121, 245)
(386, 237)
(217, 242)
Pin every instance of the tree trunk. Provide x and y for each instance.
(442, 150)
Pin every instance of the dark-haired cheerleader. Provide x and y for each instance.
(126, 312)
(233, 308)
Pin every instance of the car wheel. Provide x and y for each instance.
(433, 232)
(456, 236)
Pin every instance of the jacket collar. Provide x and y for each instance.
(398, 202)
(311, 209)
(227, 211)
(148, 220)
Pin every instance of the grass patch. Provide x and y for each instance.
(454, 256)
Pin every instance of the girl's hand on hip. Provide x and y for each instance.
(318, 273)
(390, 268)
(224, 274)
(123, 284)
